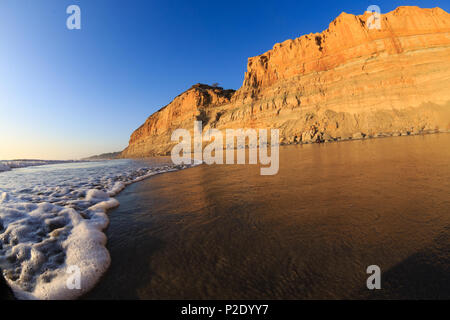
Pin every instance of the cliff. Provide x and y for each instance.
(348, 81)
(153, 137)
(104, 156)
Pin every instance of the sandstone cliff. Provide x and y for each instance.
(347, 82)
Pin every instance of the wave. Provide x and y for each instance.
(7, 165)
(47, 229)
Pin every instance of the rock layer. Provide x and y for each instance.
(153, 137)
(348, 82)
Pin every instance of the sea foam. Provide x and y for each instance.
(52, 218)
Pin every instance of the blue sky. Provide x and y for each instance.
(67, 94)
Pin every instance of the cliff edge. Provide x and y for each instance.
(347, 82)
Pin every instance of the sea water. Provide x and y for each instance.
(308, 232)
(52, 219)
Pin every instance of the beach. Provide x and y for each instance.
(309, 232)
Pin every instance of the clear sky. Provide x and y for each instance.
(67, 94)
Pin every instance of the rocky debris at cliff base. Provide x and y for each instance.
(358, 136)
(326, 138)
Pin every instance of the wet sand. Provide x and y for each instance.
(225, 232)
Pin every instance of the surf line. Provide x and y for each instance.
(213, 152)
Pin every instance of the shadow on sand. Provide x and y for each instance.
(423, 275)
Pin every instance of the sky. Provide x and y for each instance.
(68, 94)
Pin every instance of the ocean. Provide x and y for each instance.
(52, 218)
(226, 232)
(309, 232)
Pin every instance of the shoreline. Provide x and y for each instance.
(206, 243)
(101, 203)
(363, 137)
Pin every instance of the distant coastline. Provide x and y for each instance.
(104, 156)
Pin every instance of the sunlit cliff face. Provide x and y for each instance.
(347, 82)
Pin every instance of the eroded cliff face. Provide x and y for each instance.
(347, 82)
(154, 136)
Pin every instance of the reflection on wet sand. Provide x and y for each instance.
(226, 232)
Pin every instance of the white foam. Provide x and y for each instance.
(95, 195)
(52, 219)
(118, 186)
(40, 266)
